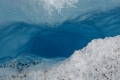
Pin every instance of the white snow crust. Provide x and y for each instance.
(99, 60)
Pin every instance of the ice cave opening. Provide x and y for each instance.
(58, 42)
(59, 39)
(75, 26)
(64, 40)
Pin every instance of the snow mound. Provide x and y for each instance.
(99, 60)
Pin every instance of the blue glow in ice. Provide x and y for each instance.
(53, 31)
(33, 30)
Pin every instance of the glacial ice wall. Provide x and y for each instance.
(63, 26)
(52, 11)
(32, 30)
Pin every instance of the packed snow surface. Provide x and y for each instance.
(99, 60)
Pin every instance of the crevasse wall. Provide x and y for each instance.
(52, 11)
(55, 28)
(33, 29)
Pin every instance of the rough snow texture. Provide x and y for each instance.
(99, 60)
(52, 11)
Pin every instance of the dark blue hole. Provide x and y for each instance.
(64, 40)
(59, 44)
(73, 35)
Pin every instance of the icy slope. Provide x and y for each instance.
(61, 31)
(99, 60)
(52, 11)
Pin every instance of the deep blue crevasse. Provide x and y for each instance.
(73, 35)
(60, 41)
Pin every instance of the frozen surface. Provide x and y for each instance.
(57, 41)
(99, 60)
(52, 11)
(51, 39)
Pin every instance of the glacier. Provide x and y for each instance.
(59, 40)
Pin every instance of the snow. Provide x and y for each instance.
(99, 60)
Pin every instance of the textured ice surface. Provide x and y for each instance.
(99, 60)
(57, 41)
(33, 30)
(53, 11)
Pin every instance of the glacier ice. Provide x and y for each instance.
(52, 11)
(59, 39)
